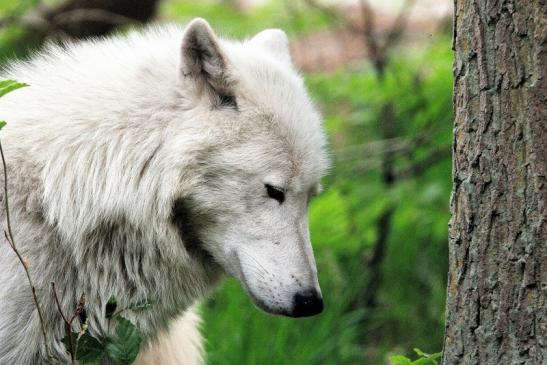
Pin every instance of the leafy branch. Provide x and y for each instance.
(78, 312)
(122, 348)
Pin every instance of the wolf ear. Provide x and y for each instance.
(274, 41)
(203, 61)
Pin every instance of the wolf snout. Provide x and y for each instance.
(307, 303)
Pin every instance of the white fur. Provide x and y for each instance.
(111, 134)
(180, 345)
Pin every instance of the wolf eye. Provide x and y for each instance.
(275, 193)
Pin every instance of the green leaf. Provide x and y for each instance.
(142, 305)
(400, 360)
(124, 347)
(2, 124)
(111, 306)
(7, 86)
(66, 341)
(431, 358)
(89, 349)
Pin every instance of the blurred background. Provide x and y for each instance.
(380, 72)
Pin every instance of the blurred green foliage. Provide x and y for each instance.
(293, 16)
(15, 40)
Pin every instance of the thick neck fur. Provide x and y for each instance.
(92, 202)
(129, 260)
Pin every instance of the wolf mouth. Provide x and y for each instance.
(257, 301)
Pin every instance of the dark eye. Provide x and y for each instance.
(275, 193)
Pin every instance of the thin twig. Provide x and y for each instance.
(399, 25)
(68, 327)
(368, 30)
(58, 303)
(417, 168)
(68, 322)
(14, 248)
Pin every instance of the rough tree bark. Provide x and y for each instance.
(496, 309)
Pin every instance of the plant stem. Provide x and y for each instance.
(11, 242)
(68, 324)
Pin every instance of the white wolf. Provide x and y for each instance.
(145, 167)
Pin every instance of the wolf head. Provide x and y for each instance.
(247, 208)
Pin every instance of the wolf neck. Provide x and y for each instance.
(112, 214)
(122, 261)
(114, 218)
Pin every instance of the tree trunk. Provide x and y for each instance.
(496, 310)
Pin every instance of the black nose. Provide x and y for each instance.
(308, 303)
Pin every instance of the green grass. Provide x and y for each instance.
(239, 333)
